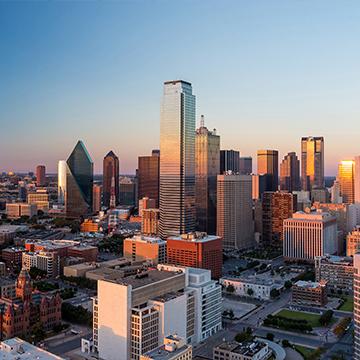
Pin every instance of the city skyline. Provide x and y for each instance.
(274, 67)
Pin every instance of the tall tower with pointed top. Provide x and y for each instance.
(24, 286)
(79, 182)
(110, 173)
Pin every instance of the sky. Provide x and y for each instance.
(265, 73)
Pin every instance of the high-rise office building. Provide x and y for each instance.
(110, 176)
(79, 182)
(207, 167)
(356, 355)
(312, 162)
(245, 165)
(234, 211)
(290, 173)
(40, 175)
(307, 235)
(96, 206)
(127, 191)
(229, 161)
(357, 179)
(346, 177)
(197, 250)
(268, 165)
(148, 176)
(177, 160)
(276, 207)
(62, 166)
(336, 193)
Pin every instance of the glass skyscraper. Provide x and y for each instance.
(177, 159)
(346, 175)
(110, 175)
(79, 182)
(61, 181)
(268, 165)
(312, 163)
(290, 173)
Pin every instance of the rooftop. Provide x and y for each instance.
(200, 237)
(19, 349)
(310, 284)
(246, 348)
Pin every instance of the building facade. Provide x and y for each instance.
(234, 211)
(353, 242)
(290, 173)
(229, 161)
(62, 169)
(309, 293)
(356, 355)
(346, 178)
(110, 178)
(245, 165)
(177, 160)
(150, 222)
(312, 162)
(40, 175)
(268, 165)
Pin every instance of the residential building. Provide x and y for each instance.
(145, 248)
(177, 161)
(309, 293)
(79, 182)
(149, 176)
(356, 354)
(17, 210)
(311, 234)
(110, 178)
(197, 250)
(150, 222)
(45, 261)
(250, 350)
(96, 204)
(290, 173)
(276, 207)
(337, 271)
(268, 165)
(346, 178)
(174, 348)
(40, 175)
(16, 348)
(353, 242)
(234, 211)
(245, 165)
(160, 302)
(251, 286)
(229, 161)
(312, 162)
(207, 167)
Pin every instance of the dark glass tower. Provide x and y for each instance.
(79, 182)
(110, 171)
(229, 161)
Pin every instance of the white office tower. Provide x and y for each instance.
(357, 306)
(335, 193)
(62, 168)
(133, 315)
(357, 179)
(310, 234)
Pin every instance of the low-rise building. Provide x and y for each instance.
(174, 348)
(150, 221)
(338, 271)
(12, 256)
(89, 226)
(7, 288)
(17, 210)
(45, 261)
(16, 348)
(87, 252)
(145, 248)
(254, 350)
(251, 286)
(9, 232)
(40, 198)
(309, 293)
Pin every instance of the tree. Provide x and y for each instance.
(274, 293)
(231, 314)
(326, 317)
(288, 284)
(270, 336)
(230, 288)
(250, 291)
(285, 343)
(244, 336)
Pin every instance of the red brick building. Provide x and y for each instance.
(87, 252)
(197, 250)
(18, 316)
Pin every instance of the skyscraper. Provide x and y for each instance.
(357, 179)
(148, 176)
(356, 355)
(96, 206)
(290, 173)
(229, 161)
(62, 166)
(40, 175)
(79, 182)
(234, 211)
(110, 174)
(268, 164)
(312, 162)
(177, 160)
(346, 174)
(207, 167)
(245, 165)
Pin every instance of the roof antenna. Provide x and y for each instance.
(202, 121)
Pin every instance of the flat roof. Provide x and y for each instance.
(195, 237)
(308, 284)
(246, 348)
(176, 81)
(160, 353)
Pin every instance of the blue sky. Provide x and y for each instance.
(265, 73)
